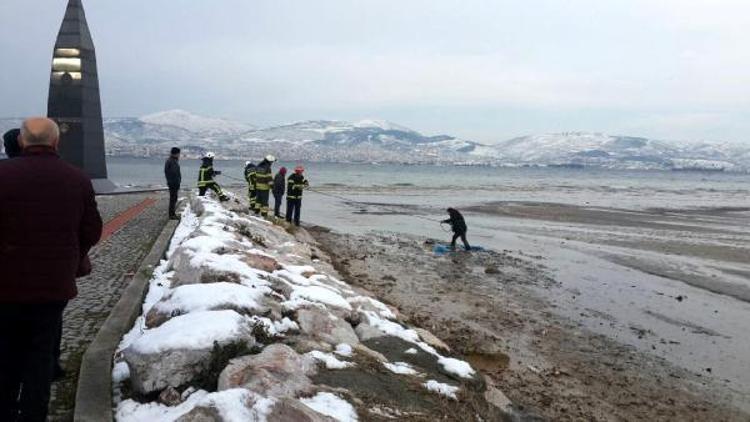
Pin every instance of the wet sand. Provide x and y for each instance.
(582, 312)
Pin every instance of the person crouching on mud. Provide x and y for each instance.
(458, 225)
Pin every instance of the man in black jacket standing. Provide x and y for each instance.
(174, 178)
(279, 188)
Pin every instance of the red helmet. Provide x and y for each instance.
(299, 169)
(282, 170)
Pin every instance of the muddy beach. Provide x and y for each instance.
(576, 313)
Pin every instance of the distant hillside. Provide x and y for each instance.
(382, 141)
(621, 152)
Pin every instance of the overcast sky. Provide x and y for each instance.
(486, 70)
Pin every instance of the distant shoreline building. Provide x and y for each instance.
(74, 101)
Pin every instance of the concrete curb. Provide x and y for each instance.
(94, 393)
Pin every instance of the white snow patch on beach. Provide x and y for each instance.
(344, 349)
(197, 330)
(331, 361)
(235, 405)
(332, 405)
(321, 294)
(203, 297)
(120, 372)
(402, 368)
(446, 390)
(456, 367)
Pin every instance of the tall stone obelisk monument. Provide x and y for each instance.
(74, 98)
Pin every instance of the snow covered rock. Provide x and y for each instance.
(226, 406)
(366, 332)
(262, 262)
(177, 351)
(372, 354)
(287, 409)
(333, 406)
(324, 326)
(207, 297)
(278, 371)
(432, 340)
(187, 270)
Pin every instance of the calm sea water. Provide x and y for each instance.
(626, 189)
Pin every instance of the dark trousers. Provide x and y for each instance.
(173, 200)
(213, 186)
(293, 207)
(28, 335)
(277, 204)
(261, 202)
(462, 235)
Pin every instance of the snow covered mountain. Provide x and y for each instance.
(382, 141)
(620, 152)
(182, 119)
(317, 140)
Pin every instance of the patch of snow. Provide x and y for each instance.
(402, 368)
(331, 361)
(446, 390)
(195, 123)
(383, 310)
(332, 405)
(456, 367)
(285, 325)
(231, 404)
(204, 327)
(391, 328)
(203, 297)
(120, 372)
(322, 295)
(411, 351)
(344, 349)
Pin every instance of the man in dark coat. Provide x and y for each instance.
(48, 222)
(279, 187)
(10, 143)
(174, 178)
(458, 225)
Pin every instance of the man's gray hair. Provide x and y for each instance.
(39, 131)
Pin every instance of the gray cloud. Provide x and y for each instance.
(486, 70)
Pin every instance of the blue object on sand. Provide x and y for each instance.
(444, 249)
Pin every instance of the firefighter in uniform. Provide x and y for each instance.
(206, 178)
(263, 182)
(250, 178)
(296, 183)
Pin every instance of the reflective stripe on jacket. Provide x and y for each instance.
(205, 176)
(263, 181)
(296, 183)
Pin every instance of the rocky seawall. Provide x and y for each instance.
(247, 320)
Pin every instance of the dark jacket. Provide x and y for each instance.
(456, 221)
(172, 172)
(48, 223)
(296, 184)
(206, 173)
(279, 185)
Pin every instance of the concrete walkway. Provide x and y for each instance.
(132, 222)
